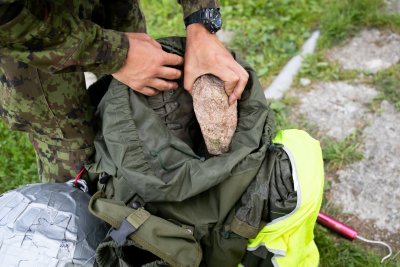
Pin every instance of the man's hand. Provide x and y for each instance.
(147, 67)
(206, 54)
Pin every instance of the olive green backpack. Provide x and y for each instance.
(170, 203)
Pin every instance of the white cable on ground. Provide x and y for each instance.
(377, 242)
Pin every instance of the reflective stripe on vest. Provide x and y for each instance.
(291, 237)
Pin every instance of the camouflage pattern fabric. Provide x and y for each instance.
(55, 110)
(44, 48)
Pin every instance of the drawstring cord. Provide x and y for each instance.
(78, 176)
(78, 182)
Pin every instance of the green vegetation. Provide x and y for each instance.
(344, 18)
(388, 83)
(163, 18)
(338, 252)
(282, 121)
(317, 68)
(336, 154)
(268, 34)
(18, 163)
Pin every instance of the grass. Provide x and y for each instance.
(388, 83)
(18, 163)
(282, 120)
(317, 68)
(336, 154)
(338, 252)
(268, 34)
(344, 18)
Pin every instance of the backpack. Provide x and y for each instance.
(168, 202)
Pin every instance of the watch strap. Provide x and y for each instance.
(196, 17)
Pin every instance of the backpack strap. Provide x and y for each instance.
(172, 243)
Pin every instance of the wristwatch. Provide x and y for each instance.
(209, 17)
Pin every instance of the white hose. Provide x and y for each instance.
(379, 243)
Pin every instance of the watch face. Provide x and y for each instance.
(215, 20)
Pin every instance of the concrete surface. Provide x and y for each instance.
(370, 188)
(393, 6)
(368, 191)
(338, 108)
(370, 50)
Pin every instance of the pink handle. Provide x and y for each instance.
(337, 226)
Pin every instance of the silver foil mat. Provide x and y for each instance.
(48, 225)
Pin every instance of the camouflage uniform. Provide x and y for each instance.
(45, 46)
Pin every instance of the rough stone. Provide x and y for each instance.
(305, 82)
(371, 50)
(337, 108)
(371, 188)
(217, 119)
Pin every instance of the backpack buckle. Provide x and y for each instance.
(121, 234)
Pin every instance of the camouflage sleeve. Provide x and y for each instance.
(49, 38)
(190, 6)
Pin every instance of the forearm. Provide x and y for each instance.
(55, 41)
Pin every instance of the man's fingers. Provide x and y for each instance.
(169, 73)
(171, 59)
(155, 43)
(162, 85)
(230, 79)
(240, 85)
(147, 91)
(238, 90)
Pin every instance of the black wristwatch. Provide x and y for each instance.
(209, 17)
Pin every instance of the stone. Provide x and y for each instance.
(305, 82)
(217, 119)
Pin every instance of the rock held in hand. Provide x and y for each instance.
(217, 119)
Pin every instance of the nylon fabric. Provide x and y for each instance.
(174, 180)
(290, 238)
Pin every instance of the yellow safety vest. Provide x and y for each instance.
(291, 237)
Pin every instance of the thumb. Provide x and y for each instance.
(189, 79)
(230, 79)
